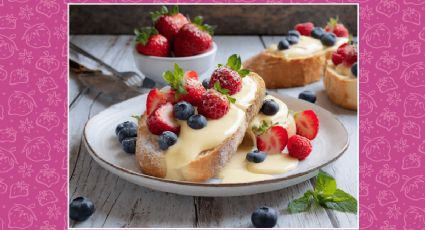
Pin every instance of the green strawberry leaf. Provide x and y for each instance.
(301, 204)
(223, 91)
(143, 34)
(174, 10)
(137, 117)
(157, 14)
(340, 201)
(175, 79)
(333, 22)
(325, 184)
(199, 20)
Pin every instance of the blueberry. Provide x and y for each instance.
(183, 110)
(317, 32)
(308, 96)
(292, 39)
(354, 69)
(197, 121)
(81, 208)
(127, 132)
(129, 145)
(270, 107)
(283, 45)
(264, 217)
(123, 125)
(328, 39)
(294, 33)
(256, 156)
(167, 139)
(206, 83)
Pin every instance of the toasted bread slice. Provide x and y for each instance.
(341, 90)
(152, 160)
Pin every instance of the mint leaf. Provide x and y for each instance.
(263, 127)
(137, 117)
(301, 204)
(175, 80)
(223, 91)
(234, 62)
(340, 201)
(325, 184)
(243, 72)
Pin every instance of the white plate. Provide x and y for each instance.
(102, 144)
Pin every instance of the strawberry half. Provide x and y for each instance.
(157, 98)
(346, 53)
(304, 28)
(307, 124)
(193, 38)
(149, 42)
(168, 22)
(337, 28)
(162, 119)
(273, 140)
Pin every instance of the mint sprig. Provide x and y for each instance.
(223, 91)
(235, 63)
(327, 195)
(262, 128)
(175, 79)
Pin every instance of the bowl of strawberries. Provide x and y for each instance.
(174, 39)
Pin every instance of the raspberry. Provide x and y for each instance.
(304, 28)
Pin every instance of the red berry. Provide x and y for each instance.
(228, 78)
(337, 58)
(150, 43)
(273, 140)
(162, 119)
(194, 91)
(299, 147)
(307, 124)
(348, 53)
(155, 99)
(191, 40)
(337, 28)
(214, 105)
(305, 28)
(191, 74)
(169, 25)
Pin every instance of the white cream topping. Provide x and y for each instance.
(274, 164)
(342, 69)
(246, 96)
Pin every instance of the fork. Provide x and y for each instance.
(130, 78)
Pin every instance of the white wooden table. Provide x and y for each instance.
(122, 204)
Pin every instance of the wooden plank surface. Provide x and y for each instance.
(122, 204)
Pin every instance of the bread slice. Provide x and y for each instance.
(341, 90)
(152, 160)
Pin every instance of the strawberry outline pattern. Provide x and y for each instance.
(392, 32)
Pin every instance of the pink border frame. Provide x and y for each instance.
(33, 112)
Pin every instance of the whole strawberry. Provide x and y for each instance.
(230, 76)
(299, 147)
(337, 28)
(193, 38)
(215, 102)
(346, 54)
(149, 42)
(304, 28)
(187, 87)
(168, 23)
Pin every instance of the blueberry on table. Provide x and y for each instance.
(127, 132)
(328, 39)
(197, 121)
(292, 39)
(264, 217)
(183, 110)
(167, 139)
(129, 145)
(206, 83)
(283, 45)
(317, 32)
(256, 156)
(294, 33)
(270, 107)
(81, 208)
(124, 125)
(308, 96)
(354, 69)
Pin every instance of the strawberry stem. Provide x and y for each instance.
(143, 34)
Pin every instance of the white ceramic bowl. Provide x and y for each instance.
(153, 67)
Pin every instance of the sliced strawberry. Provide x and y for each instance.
(304, 28)
(273, 140)
(162, 120)
(155, 99)
(307, 124)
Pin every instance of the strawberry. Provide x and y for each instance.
(186, 85)
(337, 28)
(155, 99)
(307, 124)
(304, 28)
(215, 102)
(346, 53)
(149, 42)
(162, 119)
(299, 147)
(193, 38)
(273, 140)
(230, 76)
(168, 23)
